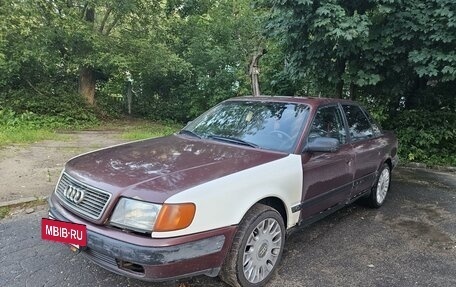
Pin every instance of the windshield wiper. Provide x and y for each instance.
(233, 140)
(189, 132)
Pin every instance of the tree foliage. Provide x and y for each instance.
(375, 47)
(181, 56)
(217, 38)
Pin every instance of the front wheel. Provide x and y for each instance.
(257, 248)
(380, 189)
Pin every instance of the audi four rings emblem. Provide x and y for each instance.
(73, 194)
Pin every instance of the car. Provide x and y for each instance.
(220, 196)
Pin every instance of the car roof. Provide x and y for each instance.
(311, 101)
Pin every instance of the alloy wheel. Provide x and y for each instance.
(262, 250)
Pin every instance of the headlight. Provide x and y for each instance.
(147, 217)
(135, 215)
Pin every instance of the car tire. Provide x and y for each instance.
(381, 187)
(258, 243)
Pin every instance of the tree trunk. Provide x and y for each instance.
(340, 69)
(129, 97)
(89, 14)
(254, 72)
(87, 78)
(105, 18)
(108, 30)
(413, 95)
(87, 83)
(352, 91)
(339, 89)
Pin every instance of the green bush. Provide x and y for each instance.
(110, 107)
(426, 136)
(11, 120)
(54, 110)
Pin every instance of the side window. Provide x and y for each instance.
(328, 123)
(375, 126)
(358, 125)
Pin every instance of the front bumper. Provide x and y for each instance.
(147, 258)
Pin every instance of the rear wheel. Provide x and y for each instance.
(257, 248)
(380, 189)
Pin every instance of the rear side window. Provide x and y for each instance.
(377, 129)
(358, 125)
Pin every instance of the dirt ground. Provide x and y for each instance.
(33, 170)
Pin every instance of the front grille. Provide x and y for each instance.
(92, 205)
(100, 257)
(112, 263)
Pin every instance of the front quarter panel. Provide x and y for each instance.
(224, 201)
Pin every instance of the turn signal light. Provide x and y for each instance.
(174, 217)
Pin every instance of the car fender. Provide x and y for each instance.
(224, 201)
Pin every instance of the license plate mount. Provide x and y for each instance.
(65, 232)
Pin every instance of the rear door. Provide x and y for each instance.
(366, 144)
(327, 176)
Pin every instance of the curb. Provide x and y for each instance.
(22, 201)
(451, 169)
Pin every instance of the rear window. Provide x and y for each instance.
(377, 129)
(358, 125)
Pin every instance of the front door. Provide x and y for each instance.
(327, 176)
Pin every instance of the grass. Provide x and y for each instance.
(4, 211)
(28, 127)
(31, 204)
(23, 135)
(26, 132)
(150, 130)
(7, 210)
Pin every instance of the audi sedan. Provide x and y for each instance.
(220, 196)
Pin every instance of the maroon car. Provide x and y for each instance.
(219, 197)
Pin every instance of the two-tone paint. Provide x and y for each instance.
(224, 181)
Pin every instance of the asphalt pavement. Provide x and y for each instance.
(410, 241)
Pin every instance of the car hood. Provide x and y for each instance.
(156, 169)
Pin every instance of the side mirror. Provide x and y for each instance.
(322, 144)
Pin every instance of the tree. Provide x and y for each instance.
(320, 38)
(254, 72)
(367, 46)
(102, 27)
(183, 55)
(218, 40)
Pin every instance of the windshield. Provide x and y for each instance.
(268, 125)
